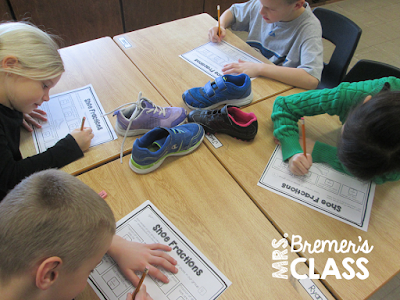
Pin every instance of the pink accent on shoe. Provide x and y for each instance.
(241, 118)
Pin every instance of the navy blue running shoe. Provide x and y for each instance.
(228, 89)
(149, 151)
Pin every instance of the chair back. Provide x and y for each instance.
(366, 69)
(344, 34)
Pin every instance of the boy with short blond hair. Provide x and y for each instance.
(54, 230)
(284, 31)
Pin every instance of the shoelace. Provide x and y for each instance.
(156, 108)
(153, 110)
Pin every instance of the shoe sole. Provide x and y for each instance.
(149, 168)
(135, 132)
(239, 137)
(234, 102)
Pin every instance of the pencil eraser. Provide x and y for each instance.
(103, 194)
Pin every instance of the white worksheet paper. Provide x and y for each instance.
(64, 114)
(324, 189)
(197, 278)
(210, 58)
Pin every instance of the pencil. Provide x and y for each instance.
(140, 283)
(83, 123)
(219, 23)
(303, 129)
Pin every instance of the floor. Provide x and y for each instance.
(380, 24)
(380, 41)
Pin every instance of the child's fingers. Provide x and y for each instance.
(299, 164)
(39, 114)
(132, 277)
(27, 126)
(142, 295)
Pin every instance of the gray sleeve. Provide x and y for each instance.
(241, 15)
(311, 56)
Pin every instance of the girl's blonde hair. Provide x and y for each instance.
(36, 51)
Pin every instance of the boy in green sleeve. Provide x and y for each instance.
(369, 145)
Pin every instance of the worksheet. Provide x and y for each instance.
(210, 58)
(197, 278)
(324, 189)
(64, 114)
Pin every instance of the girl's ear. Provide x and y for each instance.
(47, 272)
(9, 62)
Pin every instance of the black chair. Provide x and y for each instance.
(344, 34)
(366, 69)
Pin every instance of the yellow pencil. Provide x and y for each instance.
(219, 23)
(303, 129)
(83, 123)
(140, 283)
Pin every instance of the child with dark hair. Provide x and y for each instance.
(369, 146)
(370, 142)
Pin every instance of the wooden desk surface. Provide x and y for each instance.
(155, 51)
(204, 202)
(246, 162)
(116, 81)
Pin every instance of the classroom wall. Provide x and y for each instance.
(78, 21)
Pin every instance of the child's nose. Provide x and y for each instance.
(46, 96)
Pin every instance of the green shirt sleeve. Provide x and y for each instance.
(337, 101)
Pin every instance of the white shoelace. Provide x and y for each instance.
(154, 110)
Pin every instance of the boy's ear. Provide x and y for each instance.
(47, 272)
(9, 62)
(299, 4)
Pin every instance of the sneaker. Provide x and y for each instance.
(144, 115)
(150, 150)
(227, 89)
(229, 120)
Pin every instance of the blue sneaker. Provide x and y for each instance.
(228, 89)
(149, 151)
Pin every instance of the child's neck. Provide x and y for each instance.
(15, 289)
(3, 91)
(296, 13)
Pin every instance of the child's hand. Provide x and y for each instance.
(83, 137)
(132, 256)
(142, 295)
(299, 164)
(249, 68)
(30, 119)
(213, 34)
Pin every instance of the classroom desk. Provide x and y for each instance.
(223, 223)
(155, 51)
(246, 162)
(115, 80)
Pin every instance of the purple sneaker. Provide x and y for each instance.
(144, 115)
